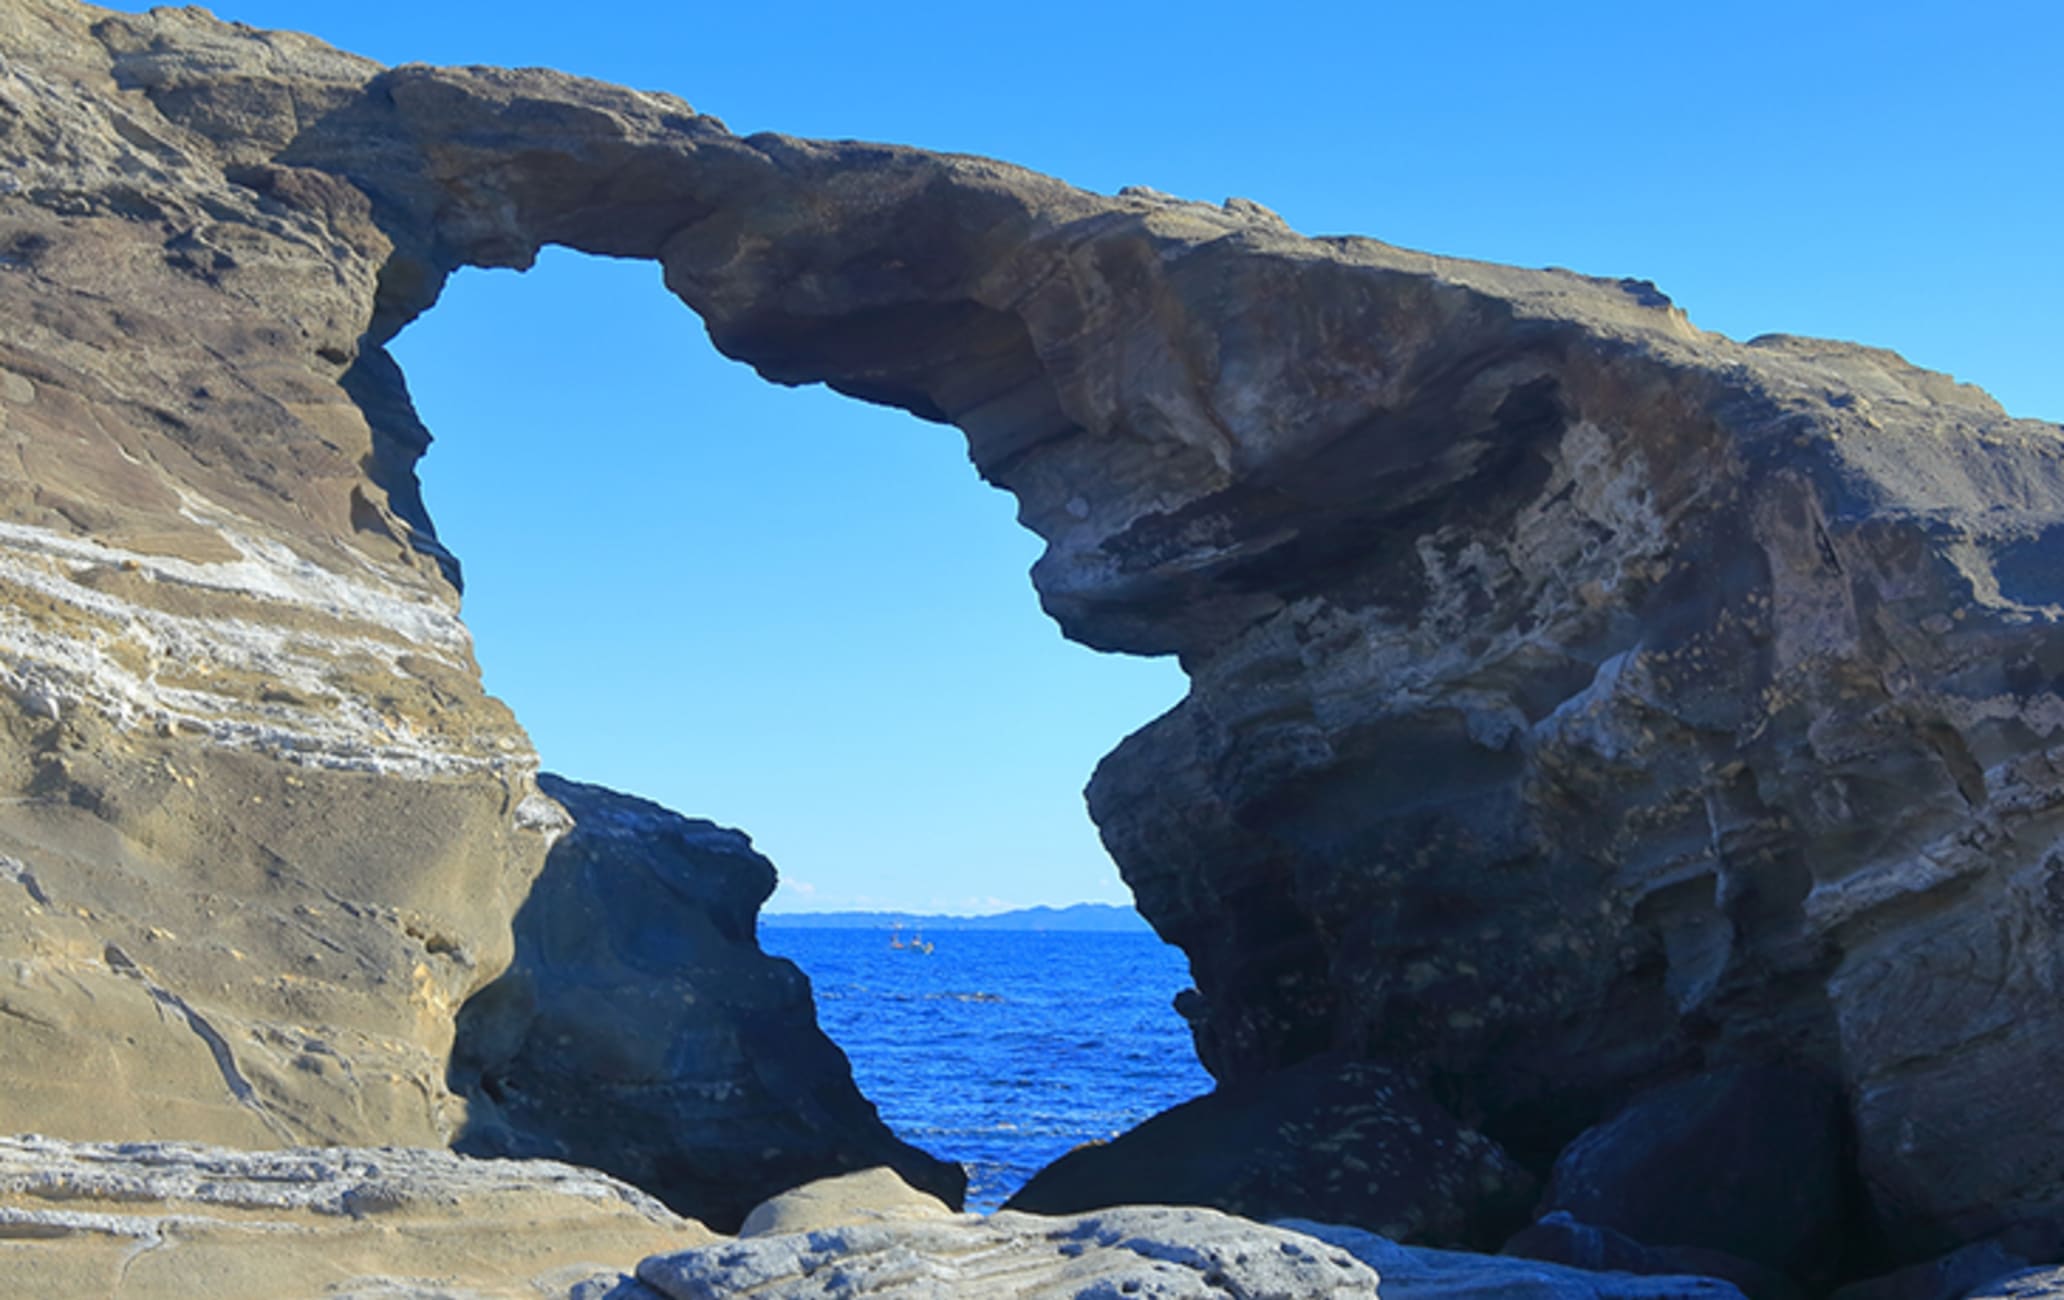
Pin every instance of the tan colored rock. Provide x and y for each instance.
(874, 1195)
(260, 817)
(162, 1221)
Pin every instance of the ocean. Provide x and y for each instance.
(1004, 1049)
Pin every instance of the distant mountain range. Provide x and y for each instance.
(1080, 917)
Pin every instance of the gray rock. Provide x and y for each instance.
(1152, 1252)
(1426, 1273)
(642, 1031)
(1352, 1140)
(169, 1221)
(1745, 1161)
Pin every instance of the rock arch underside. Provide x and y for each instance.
(1584, 707)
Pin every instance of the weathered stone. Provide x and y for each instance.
(2032, 1284)
(261, 830)
(1560, 1239)
(1426, 1273)
(1746, 1161)
(1577, 698)
(870, 1196)
(164, 1221)
(1152, 1252)
(642, 1031)
(1349, 1139)
(259, 816)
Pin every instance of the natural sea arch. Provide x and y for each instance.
(805, 616)
(774, 607)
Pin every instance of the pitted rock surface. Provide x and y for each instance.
(1578, 699)
(1152, 1252)
(169, 1221)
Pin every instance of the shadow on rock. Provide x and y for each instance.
(642, 1031)
(1340, 1140)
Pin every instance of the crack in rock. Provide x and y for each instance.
(218, 1047)
(16, 872)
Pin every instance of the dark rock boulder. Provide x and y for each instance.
(642, 1031)
(1352, 1139)
(1749, 1161)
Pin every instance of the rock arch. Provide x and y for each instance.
(1579, 699)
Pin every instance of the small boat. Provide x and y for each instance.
(896, 939)
(918, 943)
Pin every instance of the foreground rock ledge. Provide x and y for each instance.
(165, 1221)
(168, 1221)
(1579, 699)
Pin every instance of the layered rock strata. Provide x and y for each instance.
(166, 1221)
(262, 832)
(1578, 700)
(642, 1031)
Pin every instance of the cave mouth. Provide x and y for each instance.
(800, 615)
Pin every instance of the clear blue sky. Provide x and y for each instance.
(808, 618)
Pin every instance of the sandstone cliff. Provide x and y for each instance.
(1579, 700)
(262, 834)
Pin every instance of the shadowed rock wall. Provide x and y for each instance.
(1578, 698)
(641, 1031)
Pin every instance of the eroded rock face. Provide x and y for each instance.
(1578, 699)
(642, 1031)
(262, 829)
(262, 833)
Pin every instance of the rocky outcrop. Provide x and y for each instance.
(642, 1031)
(262, 832)
(1351, 1140)
(1579, 700)
(164, 1221)
(1152, 1251)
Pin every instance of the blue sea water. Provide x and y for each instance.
(1003, 1050)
